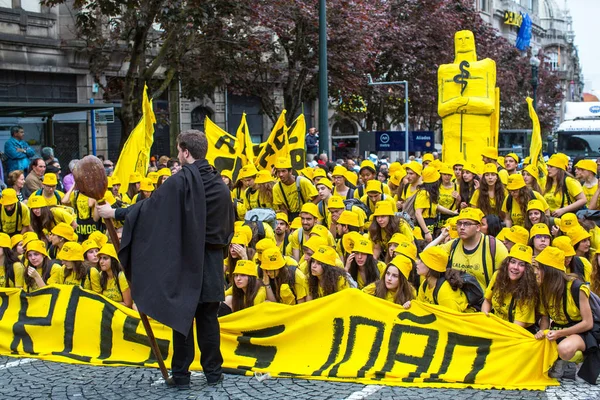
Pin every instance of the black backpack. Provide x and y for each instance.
(349, 203)
(471, 288)
(492, 246)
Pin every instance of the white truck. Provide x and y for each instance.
(579, 133)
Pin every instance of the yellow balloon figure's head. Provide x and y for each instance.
(464, 47)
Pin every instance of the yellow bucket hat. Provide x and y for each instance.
(430, 175)
(513, 156)
(588, 165)
(490, 168)
(319, 173)
(535, 205)
(314, 242)
(578, 234)
(539, 229)
(5, 241)
(325, 182)
(312, 209)
(517, 234)
(146, 185)
(272, 259)
(564, 243)
(339, 171)
(15, 240)
(283, 163)
(427, 157)
(263, 245)
(383, 208)
(363, 245)
(65, 231)
(567, 222)
(559, 160)
(515, 182)
(9, 197)
(490, 152)
(109, 250)
(243, 236)
(349, 218)
(325, 255)
(394, 167)
(552, 257)
(153, 176)
(502, 234)
(415, 167)
(307, 173)
(99, 237)
(369, 165)
(474, 214)
(320, 231)
(398, 238)
(88, 245)
(29, 237)
(403, 264)
(351, 177)
(435, 258)
(446, 169)
(472, 168)
(282, 217)
(521, 252)
(349, 240)
(136, 177)
(373, 186)
(36, 201)
(533, 171)
(167, 172)
(264, 176)
(335, 202)
(407, 249)
(71, 251)
(296, 223)
(451, 225)
(37, 245)
(247, 171)
(245, 267)
(397, 176)
(50, 179)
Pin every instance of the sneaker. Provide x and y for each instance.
(215, 382)
(558, 369)
(179, 383)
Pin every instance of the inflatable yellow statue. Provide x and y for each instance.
(468, 102)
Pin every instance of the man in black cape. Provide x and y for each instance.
(172, 250)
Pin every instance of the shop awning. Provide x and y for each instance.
(14, 109)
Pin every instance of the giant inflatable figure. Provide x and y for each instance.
(468, 102)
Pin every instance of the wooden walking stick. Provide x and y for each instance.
(90, 178)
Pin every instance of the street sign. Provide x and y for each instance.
(105, 116)
(394, 141)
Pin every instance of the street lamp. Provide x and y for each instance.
(535, 65)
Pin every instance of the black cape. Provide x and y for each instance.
(172, 245)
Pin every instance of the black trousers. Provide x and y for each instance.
(209, 342)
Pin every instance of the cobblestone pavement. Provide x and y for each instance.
(36, 379)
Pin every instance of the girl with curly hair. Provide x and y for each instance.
(361, 265)
(515, 205)
(393, 285)
(466, 184)
(325, 278)
(490, 195)
(513, 292)
(385, 223)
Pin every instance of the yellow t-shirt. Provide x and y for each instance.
(18, 276)
(8, 222)
(112, 291)
(359, 278)
(385, 197)
(472, 261)
(475, 199)
(589, 192)
(389, 296)
(361, 189)
(558, 317)
(81, 205)
(446, 200)
(453, 299)
(424, 203)
(90, 282)
(291, 194)
(261, 296)
(252, 199)
(516, 216)
(409, 191)
(52, 200)
(34, 286)
(555, 201)
(524, 313)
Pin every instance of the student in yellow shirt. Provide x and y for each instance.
(17, 246)
(48, 191)
(11, 269)
(539, 238)
(393, 286)
(309, 216)
(515, 235)
(426, 203)
(580, 239)
(490, 194)
(585, 171)
(466, 184)
(361, 265)
(238, 250)
(281, 286)
(513, 292)
(291, 192)
(413, 178)
(563, 193)
(325, 189)
(572, 321)
(449, 196)
(14, 216)
(44, 219)
(146, 190)
(574, 264)
(375, 195)
(511, 163)
(515, 204)
(432, 267)
(164, 173)
(73, 271)
(531, 175)
(133, 188)
(38, 267)
(385, 223)
(395, 180)
(247, 290)
(262, 191)
(90, 254)
(325, 278)
(61, 234)
(85, 212)
(113, 283)
(536, 214)
(340, 183)
(393, 244)
(367, 173)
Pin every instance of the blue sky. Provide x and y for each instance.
(586, 15)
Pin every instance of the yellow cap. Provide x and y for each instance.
(394, 167)
(99, 238)
(502, 234)
(539, 229)
(29, 237)
(319, 172)
(339, 171)
(430, 175)
(435, 258)
(325, 182)
(36, 201)
(367, 164)
(146, 185)
(564, 243)
(282, 217)
(521, 252)
(245, 267)
(349, 218)
(533, 171)
(307, 173)
(451, 225)
(314, 242)
(65, 231)
(9, 197)
(490, 168)
(397, 176)
(472, 168)
(135, 177)
(490, 152)
(578, 234)
(335, 202)
(109, 250)
(403, 264)
(373, 186)
(513, 156)
(37, 245)
(264, 176)
(363, 245)
(427, 157)
(460, 161)
(383, 208)
(283, 163)
(242, 235)
(446, 169)
(559, 160)
(227, 173)
(15, 240)
(349, 239)
(527, 160)
(474, 214)
(272, 259)
(535, 204)
(351, 177)
(113, 181)
(415, 167)
(5, 241)
(398, 238)
(247, 171)
(312, 209)
(50, 179)
(167, 172)
(517, 234)
(153, 176)
(88, 245)
(407, 249)
(567, 222)
(263, 245)
(588, 165)
(71, 251)
(325, 255)
(552, 257)
(500, 161)
(437, 164)
(320, 231)
(515, 182)
(296, 223)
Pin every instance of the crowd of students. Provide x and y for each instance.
(422, 231)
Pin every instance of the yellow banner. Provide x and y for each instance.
(372, 342)
(296, 136)
(535, 148)
(244, 146)
(221, 147)
(275, 146)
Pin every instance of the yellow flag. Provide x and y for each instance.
(296, 136)
(276, 146)
(221, 146)
(244, 150)
(135, 155)
(535, 148)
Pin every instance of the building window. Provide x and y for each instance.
(552, 60)
(530, 5)
(345, 127)
(482, 5)
(31, 5)
(199, 114)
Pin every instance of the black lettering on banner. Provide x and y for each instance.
(19, 333)
(424, 320)
(4, 305)
(355, 322)
(130, 334)
(455, 339)
(264, 354)
(422, 363)
(224, 163)
(227, 141)
(269, 151)
(298, 157)
(338, 335)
